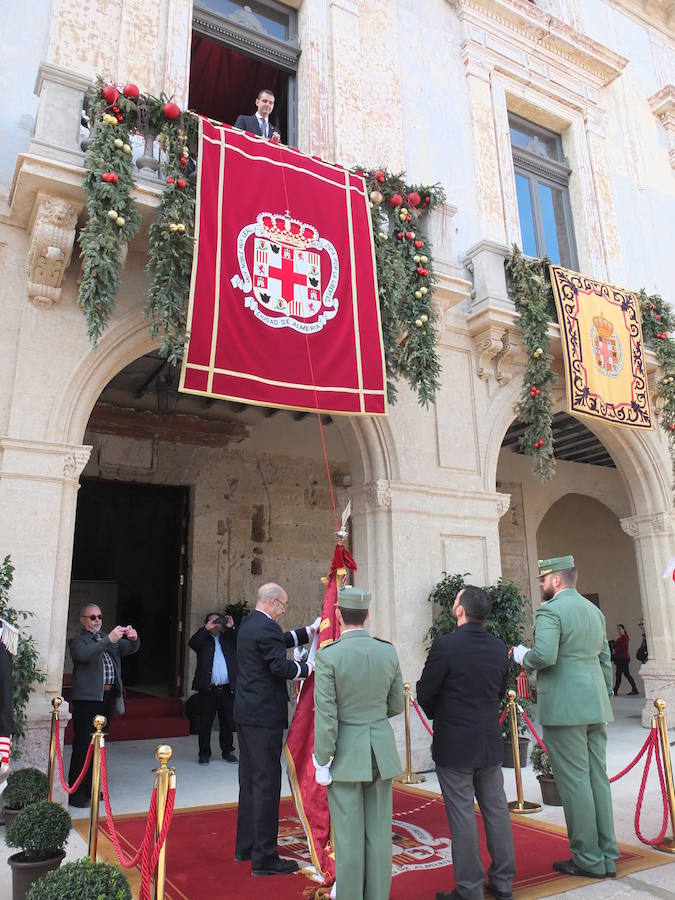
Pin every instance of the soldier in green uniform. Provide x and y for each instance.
(574, 682)
(357, 688)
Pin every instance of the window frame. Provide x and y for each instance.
(552, 173)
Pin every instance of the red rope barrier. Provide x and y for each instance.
(422, 719)
(127, 863)
(532, 728)
(650, 738)
(78, 780)
(503, 715)
(166, 823)
(653, 747)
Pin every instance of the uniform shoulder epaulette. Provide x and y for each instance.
(382, 640)
(329, 644)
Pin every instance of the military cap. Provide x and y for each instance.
(353, 598)
(555, 564)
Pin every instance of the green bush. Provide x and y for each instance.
(540, 762)
(82, 880)
(237, 609)
(40, 830)
(25, 786)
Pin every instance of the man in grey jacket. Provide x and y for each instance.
(97, 685)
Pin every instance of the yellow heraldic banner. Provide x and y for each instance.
(603, 350)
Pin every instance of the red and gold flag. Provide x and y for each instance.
(311, 800)
(601, 335)
(283, 303)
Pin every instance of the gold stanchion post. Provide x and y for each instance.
(165, 779)
(97, 738)
(523, 807)
(53, 738)
(668, 844)
(408, 778)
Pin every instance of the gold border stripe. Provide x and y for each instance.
(289, 384)
(267, 404)
(366, 201)
(195, 257)
(216, 292)
(355, 307)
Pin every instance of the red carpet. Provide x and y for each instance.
(144, 717)
(201, 848)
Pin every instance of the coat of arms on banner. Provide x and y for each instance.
(286, 285)
(606, 347)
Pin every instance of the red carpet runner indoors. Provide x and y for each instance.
(200, 852)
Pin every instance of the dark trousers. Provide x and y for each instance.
(218, 700)
(459, 787)
(622, 669)
(83, 713)
(259, 792)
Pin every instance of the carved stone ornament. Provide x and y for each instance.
(647, 526)
(378, 494)
(503, 504)
(51, 247)
(74, 462)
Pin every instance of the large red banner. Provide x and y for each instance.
(283, 304)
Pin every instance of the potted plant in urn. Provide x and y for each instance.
(542, 768)
(24, 786)
(40, 831)
(506, 621)
(82, 878)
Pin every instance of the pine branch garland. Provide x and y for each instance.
(658, 322)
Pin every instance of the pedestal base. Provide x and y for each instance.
(524, 807)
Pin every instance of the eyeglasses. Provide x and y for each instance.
(93, 618)
(281, 603)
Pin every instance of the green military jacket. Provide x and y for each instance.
(572, 661)
(357, 687)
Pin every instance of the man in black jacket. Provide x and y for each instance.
(261, 714)
(259, 123)
(97, 685)
(460, 689)
(215, 677)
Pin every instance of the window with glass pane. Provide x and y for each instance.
(542, 178)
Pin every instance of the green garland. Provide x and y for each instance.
(113, 216)
(533, 299)
(658, 322)
(403, 255)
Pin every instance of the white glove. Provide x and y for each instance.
(322, 773)
(300, 654)
(310, 665)
(4, 771)
(314, 627)
(333, 891)
(519, 653)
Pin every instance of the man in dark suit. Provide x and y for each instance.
(261, 714)
(97, 685)
(460, 689)
(215, 677)
(259, 123)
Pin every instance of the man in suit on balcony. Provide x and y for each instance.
(259, 123)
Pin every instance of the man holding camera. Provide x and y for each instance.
(97, 685)
(216, 647)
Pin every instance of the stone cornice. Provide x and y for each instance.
(662, 104)
(531, 30)
(657, 14)
(637, 527)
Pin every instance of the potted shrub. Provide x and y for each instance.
(542, 768)
(40, 831)
(82, 878)
(506, 621)
(24, 786)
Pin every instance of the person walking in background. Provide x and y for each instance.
(622, 661)
(215, 677)
(574, 684)
(463, 680)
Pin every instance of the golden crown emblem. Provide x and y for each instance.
(285, 230)
(604, 327)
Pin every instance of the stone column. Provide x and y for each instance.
(654, 537)
(39, 481)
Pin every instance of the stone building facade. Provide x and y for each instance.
(445, 90)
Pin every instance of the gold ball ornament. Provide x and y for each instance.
(383, 236)
(425, 318)
(412, 236)
(120, 220)
(424, 259)
(173, 226)
(371, 205)
(185, 151)
(538, 352)
(119, 143)
(126, 148)
(416, 258)
(424, 289)
(403, 211)
(180, 227)
(376, 197)
(419, 323)
(418, 295)
(112, 214)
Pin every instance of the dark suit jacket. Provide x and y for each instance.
(204, 646)
(250, 123)
(87, 654)
(460, 689)
(261, 696)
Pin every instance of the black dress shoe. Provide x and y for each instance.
(242, 857)
(448, 895)
(280, 866)
(203, 760)
(500, 895)
(610, 874)
(79, 802)
(569, 867)
(230, 757)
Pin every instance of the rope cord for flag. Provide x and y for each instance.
(78, 781)
(311, 371)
